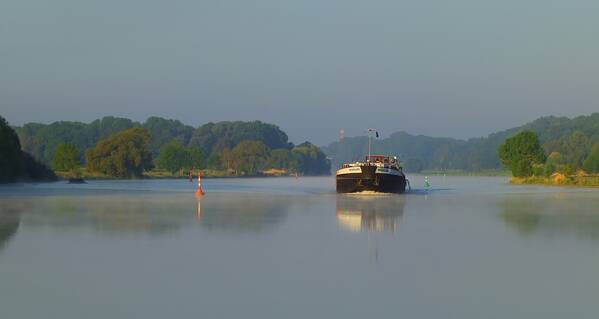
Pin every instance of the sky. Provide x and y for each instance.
(461, 68)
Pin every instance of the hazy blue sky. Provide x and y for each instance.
(458, 68)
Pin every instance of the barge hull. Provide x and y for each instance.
(370, 180)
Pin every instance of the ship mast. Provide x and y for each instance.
(370, 131)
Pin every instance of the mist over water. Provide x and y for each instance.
(471, 247)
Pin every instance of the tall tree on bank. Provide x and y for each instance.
(520, 152)
(16, 164)
(125, 154)
(66, 157)
(10, 153)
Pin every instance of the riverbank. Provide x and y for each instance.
(558, 180)
(163, 174)
(457, 172)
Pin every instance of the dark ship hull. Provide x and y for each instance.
(370, 178)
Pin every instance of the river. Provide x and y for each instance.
(470, 247)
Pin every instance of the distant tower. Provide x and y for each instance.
(341, 134)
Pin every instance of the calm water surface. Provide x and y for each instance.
(291, 248)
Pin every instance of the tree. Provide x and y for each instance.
(249, 157)
(281, 158)
(41, 140)
(520, 152)
(35, 170)
(226, 158)
(553, 163)
(66, 157)
(214, 161)
(124, 154)
(591, 163)
(214, 137)
(174, 157)
(574, 148)
(16, 164)
(10, 153)
(196, 158)
(311, 160)
(163, 131)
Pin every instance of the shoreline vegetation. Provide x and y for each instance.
(165, 174)
(529, 164)
(558, 179)
(209, 173)
(459, 172)
(573, 138)
(119, 148)
(547, 151)
(17, 165)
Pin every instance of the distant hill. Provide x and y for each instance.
(569, 136)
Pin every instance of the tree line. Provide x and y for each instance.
(524, 156)
(123, 148)
(41, 140)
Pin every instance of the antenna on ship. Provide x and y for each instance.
(376, 133)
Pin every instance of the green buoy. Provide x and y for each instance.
(427, 184)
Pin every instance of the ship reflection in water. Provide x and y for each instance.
(370, 213)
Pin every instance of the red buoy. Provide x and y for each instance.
(199, 192)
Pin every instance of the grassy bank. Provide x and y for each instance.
(559, 180)
(457, 172)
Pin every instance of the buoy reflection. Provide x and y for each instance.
(199, 214)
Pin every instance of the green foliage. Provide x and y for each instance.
(214, 161)
(574, 148)
(549, 169)
(16, 164)
(538, 169)
(568, 169)
(124, 154)
(591, 163)
(284, 159)
(196, 158)
(216, 139)
(34, 170)
(41, 140)
(213, 137)
(249, 157)
(163, 131)
(10, 153)
(521, 168)
(66, 157)
(555, 158)
(310, 160)
(174, 157)
(520, 152)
